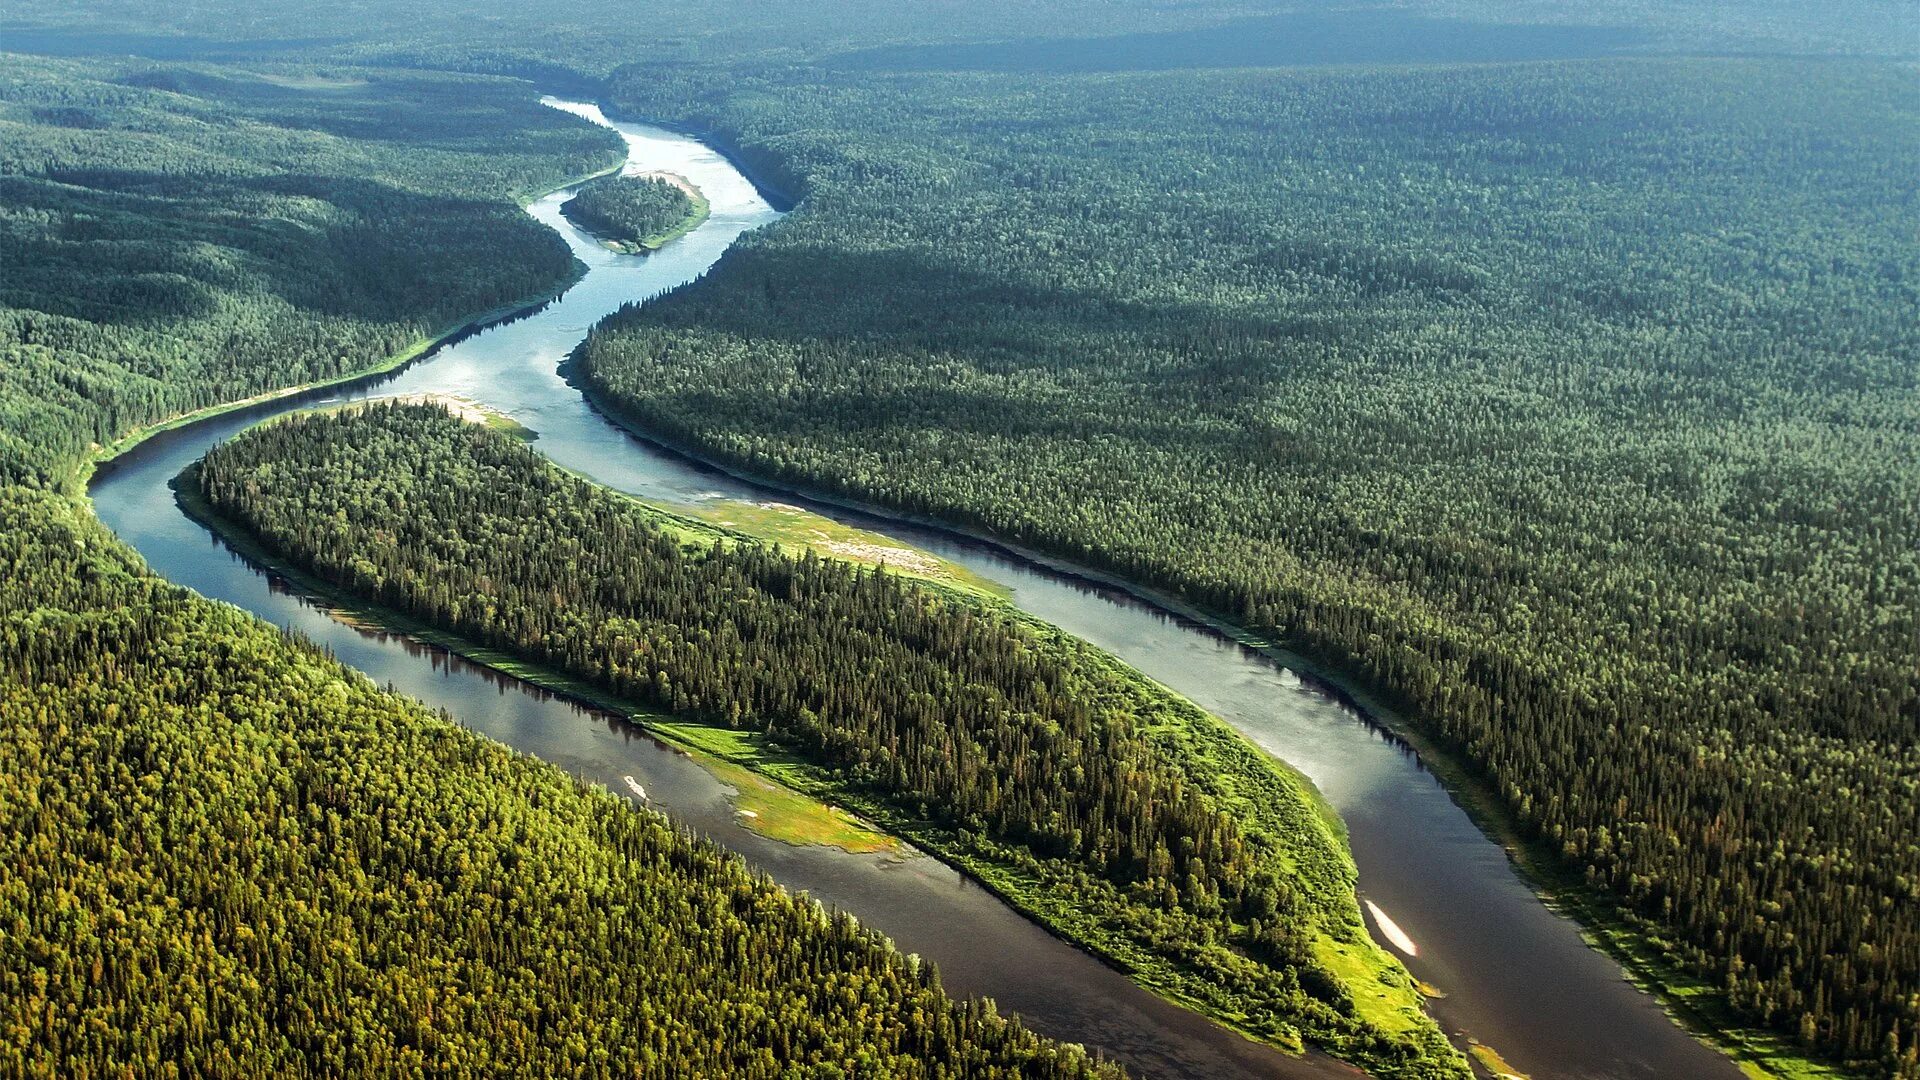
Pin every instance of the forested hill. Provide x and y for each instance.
(571, 42)
(1572, 406)
(225, 855)
(1572, 403)
(1123, 818)
(172, 237)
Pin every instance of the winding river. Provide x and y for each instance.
(1516, 976)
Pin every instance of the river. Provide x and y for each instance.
(1516, 976)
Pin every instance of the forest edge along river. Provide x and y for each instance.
(1515, 975)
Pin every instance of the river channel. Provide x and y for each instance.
(1516, 976)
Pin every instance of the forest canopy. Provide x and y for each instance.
(223, 853)
(1570, 405)
(1573, 408)
(174, 237)
(1124, 818)
(636, 213)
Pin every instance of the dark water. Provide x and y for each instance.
(1518, 977)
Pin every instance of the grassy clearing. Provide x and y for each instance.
(769, 783)
(791, 525)
(1490, 1060)
(501, 422)
(1383, 993)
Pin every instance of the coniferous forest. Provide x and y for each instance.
(1173, 843)
(223, 854)
(181, 236)
(1546, 371)
(1574, 408)
(634, 213)
(229, 856)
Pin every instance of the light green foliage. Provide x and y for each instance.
(224, 855)
(1573, 407)
(174, 237)
(1121, 816)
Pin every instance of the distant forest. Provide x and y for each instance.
(1566, 401)
(1574, 408)
(173, 237)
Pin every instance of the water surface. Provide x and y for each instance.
(1517, 976)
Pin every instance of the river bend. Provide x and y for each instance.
(1516, 976)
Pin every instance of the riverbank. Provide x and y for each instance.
(778, 811)
(699, 209)
(982, 946)
(777, 195)
(76, 481)
(1054, 891)
(1693, 1005)
(511, 369)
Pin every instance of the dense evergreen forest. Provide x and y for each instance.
(571, 42)
(635, 213)
(1572, 406)
(229, 856)
(226, 855)
(175, 237)
(1142, 827)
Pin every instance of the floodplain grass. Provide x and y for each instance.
(792, 800)
(784, 523)
(771, 786)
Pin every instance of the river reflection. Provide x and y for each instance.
(1517, 977)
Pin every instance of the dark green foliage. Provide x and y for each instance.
(634, 212)
(175, 237)
(561, 40)
(1559, 400)
(1575, 406)
(1007, 745)
(226, 855)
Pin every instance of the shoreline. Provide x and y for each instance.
(359, 613)
(910, 839)
(695, 217)
(911, 836)
(721, 143)
(265, 406)
(79, 478)
(1601, 929)
(1759, 1053)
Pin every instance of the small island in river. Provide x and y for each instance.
(637, 214)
